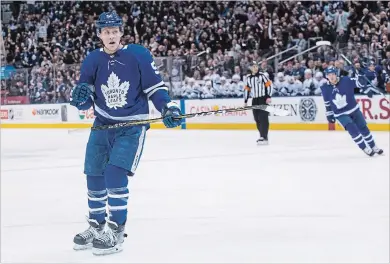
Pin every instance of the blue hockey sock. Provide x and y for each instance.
(97, 198)
(118, 193)
(355, 134)
(367, 136)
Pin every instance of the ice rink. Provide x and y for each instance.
(203, 196)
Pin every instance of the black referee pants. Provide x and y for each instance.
(261, 117)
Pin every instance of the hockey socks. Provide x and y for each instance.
(355, 134)
(118, 193)
(97, 198)
(367, 136)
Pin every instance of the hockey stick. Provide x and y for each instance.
(267, 108)
(350, 63)
(372, 85)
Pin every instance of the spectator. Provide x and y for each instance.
(52, 35)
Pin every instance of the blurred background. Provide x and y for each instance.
(202, 49)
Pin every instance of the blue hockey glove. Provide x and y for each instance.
(81, 93)
(170, 114)
(331, 119)
(370, 94)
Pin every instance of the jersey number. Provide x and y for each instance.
(154, 67)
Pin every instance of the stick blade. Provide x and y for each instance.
(277, 111)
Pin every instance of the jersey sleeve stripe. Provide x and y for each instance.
(147, 90)
(156, 89)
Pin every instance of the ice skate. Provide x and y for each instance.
(377, 150)
(369, 152)
(84, 240)
(110, 241)
(262, 141)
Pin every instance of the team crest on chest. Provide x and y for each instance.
(115, 92)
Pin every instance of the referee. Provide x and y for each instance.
(259, 86)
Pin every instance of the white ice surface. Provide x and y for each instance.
(204, 196)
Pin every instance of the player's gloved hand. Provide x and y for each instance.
(170, 114)
(81, 93)
(331, 119)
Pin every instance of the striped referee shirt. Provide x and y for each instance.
(257, 85)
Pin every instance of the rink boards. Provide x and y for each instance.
(305, 113)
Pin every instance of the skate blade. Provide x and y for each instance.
(109, 251)
(262, 143)
(82, 247)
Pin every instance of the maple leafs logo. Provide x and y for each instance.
(115, 92)
(340, 101)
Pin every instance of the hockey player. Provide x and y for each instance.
(117, 81)
(372, 76)
(293, 86)
(225, 87)
(237, 86)
(318, 80)
(191, 90)
(280, 84)
(308, 84)
(340, 103)
(207, 91)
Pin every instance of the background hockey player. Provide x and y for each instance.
(293, 86)
(308, 84)
(259, 86)
(117, 81)
(237, 86)
(340, 103)
(318, 81)
(191, 90)
(225, 87)
(372, 77)
(280, 85)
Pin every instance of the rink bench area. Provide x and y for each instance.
(306, 113)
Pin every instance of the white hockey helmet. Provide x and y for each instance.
(319, 75)
(308, 71)
(236, 77)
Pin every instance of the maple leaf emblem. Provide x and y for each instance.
(115, 92)
(340, 101)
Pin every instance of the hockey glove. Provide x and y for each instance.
(81, 93)
(170, 114)
(331, 118)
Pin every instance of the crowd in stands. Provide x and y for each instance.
(202, 49)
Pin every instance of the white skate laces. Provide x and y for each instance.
(108, 237)
(90, 233)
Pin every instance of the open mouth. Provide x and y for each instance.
(111, 42)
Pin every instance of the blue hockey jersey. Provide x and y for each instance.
(123, 81)
(372, 76)
(340, 98)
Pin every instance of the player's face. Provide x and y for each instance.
(254, 69)
(332, 77)
(371, 67)
(111, 37)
